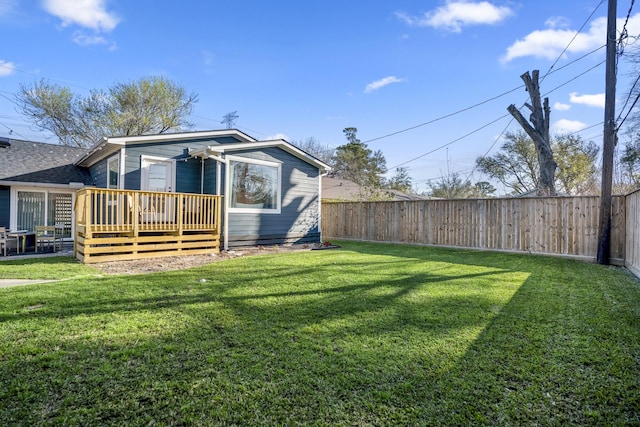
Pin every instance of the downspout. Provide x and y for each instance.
(218, 174)
(226, 200)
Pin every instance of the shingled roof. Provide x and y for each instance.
(38, 162)
(348, 191)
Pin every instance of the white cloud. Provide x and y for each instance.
(557, 22)
(86, 13)
(550, 42)
(457, 14)
(7, 7)
(568, 126)
(596, 100)
(6, 68)
(381, 83)
(558, 106)
(85, 40)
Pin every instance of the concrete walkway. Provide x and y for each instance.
(7, 283)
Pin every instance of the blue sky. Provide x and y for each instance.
(300, 69)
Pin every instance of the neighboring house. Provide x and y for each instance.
(271, 188)
(344, 190)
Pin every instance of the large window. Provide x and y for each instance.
(255, 186)
(44, 208)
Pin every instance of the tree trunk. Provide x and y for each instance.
(538, 131)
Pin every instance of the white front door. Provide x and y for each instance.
(158, 174)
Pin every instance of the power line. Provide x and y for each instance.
(628, 112)
(493, 121)
(462, 110)
(551, 70)
(624, 34)
(572, 40)
(445, 116)
(495, 141)
(11, 132)
(448, 143)
(574, 78)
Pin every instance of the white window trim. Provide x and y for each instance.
(228, 179)
(112, 159)
(13, 213)
(144, 171)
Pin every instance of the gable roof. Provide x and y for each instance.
(280, 143)
(42, 163)
(110, 145)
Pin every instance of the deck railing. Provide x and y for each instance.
(100, 210)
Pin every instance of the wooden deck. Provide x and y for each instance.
(127, 224)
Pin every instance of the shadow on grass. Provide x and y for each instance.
(395, 337)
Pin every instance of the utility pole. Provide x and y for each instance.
(609, 138)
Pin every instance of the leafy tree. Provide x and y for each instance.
(355, 162)
(401, 181)
(320, 151)
(576, 165)
(483, 189)
(630, 166)
(151, 105)
(451, 186)
(516, 165)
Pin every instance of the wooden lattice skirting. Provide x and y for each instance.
(104, 247)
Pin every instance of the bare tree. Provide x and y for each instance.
(322, 152)
(538, 131)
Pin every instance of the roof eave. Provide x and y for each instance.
(281, 143)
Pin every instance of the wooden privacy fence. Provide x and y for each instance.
(553, 225)
(632, 234)
(127, 224)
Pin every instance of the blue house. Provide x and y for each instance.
(270, 190)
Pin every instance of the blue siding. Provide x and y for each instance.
(5, 200)
(99, 173)
(188, 176)
(299, 218)
(210, 167)
(187, 169)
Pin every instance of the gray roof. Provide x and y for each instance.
(38, 162)
(346, 190)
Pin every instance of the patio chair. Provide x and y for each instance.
(48, 235)
(5, 239)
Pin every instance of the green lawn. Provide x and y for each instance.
(369, 334)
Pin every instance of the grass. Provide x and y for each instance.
(49, 268)
(370, 334)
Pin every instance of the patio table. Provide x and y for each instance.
(22, 238)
